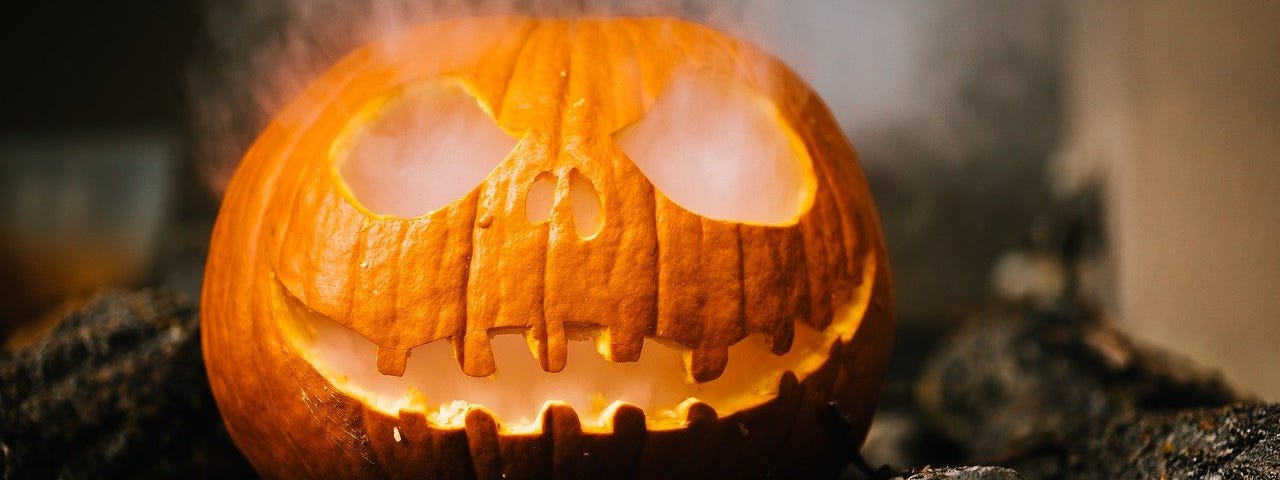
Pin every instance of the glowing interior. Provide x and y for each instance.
(588, 215)
(722, 151)
(540, 198)
(434, 384)
(584, 202)
(420, 149)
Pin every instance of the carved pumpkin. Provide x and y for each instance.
(533, 247)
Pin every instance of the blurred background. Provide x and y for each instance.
(1123, 154)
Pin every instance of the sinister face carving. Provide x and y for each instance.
(496, 245)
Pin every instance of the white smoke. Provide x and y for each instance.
(263, 52)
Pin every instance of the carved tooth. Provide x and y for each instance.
(692, 411)
(624, 419)
(482, 436)
(780, 341)
(788, 384)
(391, 361)
(557, 348)
(560, 418)
(549, 346)
(624, 347)
(475, 354)
(705, 364)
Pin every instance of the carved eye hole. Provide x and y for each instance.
(723, 151)
(421, 150)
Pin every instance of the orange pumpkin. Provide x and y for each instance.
(514, 247)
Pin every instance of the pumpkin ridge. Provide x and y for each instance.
(693, 338)
(554, 349)
(506, 193)
(394, 288)
(650, 326)
(292, 194)
(621, 254)
(459, 330)
(352, 286)
(270, 193)
(846, 178)
(500, 99)
(826, 235)
(295, 159)
(742, 296)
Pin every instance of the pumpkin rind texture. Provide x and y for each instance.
(290, 230)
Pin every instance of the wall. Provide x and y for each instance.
(1177, 104)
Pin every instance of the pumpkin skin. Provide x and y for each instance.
(289, 231)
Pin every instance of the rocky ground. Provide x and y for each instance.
(1062, 394)
(116, 390)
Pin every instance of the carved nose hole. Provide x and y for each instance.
(588, 213)
(540, 198)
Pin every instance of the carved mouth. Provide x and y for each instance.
(520, 390)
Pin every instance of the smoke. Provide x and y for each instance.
(954, 106)
(262, 53)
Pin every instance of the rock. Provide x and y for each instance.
(900, 439)
(1062, 395)
(935, 473)
(1241, 441)
(1015, 383)
(116, 390)
(965, 473)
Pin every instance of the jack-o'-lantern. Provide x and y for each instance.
(514, 248)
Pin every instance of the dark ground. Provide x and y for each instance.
(117, 390)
